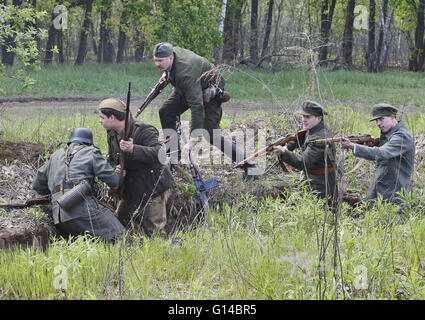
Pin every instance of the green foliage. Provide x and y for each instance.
(191, 24)
(18, 33)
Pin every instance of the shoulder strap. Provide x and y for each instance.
(68, 159)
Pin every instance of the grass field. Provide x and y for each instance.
(401, 88)
(272, 248)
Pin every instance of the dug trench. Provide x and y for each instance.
(28, 227)
(19, 162)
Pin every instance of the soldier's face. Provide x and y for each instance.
(164, 64)
(386, 123)
(310, 121)
(107, 123)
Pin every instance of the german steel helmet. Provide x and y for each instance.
(81, 135)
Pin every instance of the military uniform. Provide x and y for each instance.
(84, 163)
(147, 181)
(191, 75)
(394, 158)
(316, 160)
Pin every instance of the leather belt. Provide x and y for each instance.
(66, 185)
(320, 171)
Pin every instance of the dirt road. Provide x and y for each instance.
(87, 105)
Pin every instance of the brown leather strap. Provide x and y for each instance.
(320, 171)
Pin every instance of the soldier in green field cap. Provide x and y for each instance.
(394, 154)
(193, 77)
(316, 160)
(147, 181)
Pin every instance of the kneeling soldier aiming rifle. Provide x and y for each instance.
(316, 160)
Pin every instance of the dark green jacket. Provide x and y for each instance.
(394, 158)
(86, 164)
(312, 157)
(145, 177)
(190, 74)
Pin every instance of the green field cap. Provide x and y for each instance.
(312, 108)
(163, 50)
(112, 103)
(383, 110)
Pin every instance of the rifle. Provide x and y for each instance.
(27, 203)
(202, 187)
(152, 95)
(279, 142)
(360, 139)
(127, 132)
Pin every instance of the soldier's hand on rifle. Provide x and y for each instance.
(347, 144)
(163, 78)
(127, 146)
(118, 170)
(279, 149)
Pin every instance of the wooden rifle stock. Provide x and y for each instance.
(279, 142)
(152, 95)
(27, 203)
(360, 139)
(127, 133)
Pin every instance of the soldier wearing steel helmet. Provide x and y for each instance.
(68, 168)
(394, 154)
(317, 161)
(147, 180)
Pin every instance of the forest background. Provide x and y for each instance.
(369, 35)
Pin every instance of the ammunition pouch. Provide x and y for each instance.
(75, 196)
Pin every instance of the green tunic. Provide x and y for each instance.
(145, 177)
(315, 157)
(394, 158)
(86, 163)
(190, 75)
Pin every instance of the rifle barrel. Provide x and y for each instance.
(359, 139)
(279, 142)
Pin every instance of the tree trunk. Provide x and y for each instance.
(229, 49)
(347, 41)
(106, 48)
(140, 47)
(107, 45)
(386, 22)
(216, 54)
(265, 50)
(253, 48)
(82, 47)
(121, 46)
(238, 35)
(371, 56)
(327, 12)
(51, 41)
(277, 23)
(416, 61)
(61, 57)
(93, 38)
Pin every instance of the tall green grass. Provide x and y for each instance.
(401, 88)
(260, 249)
